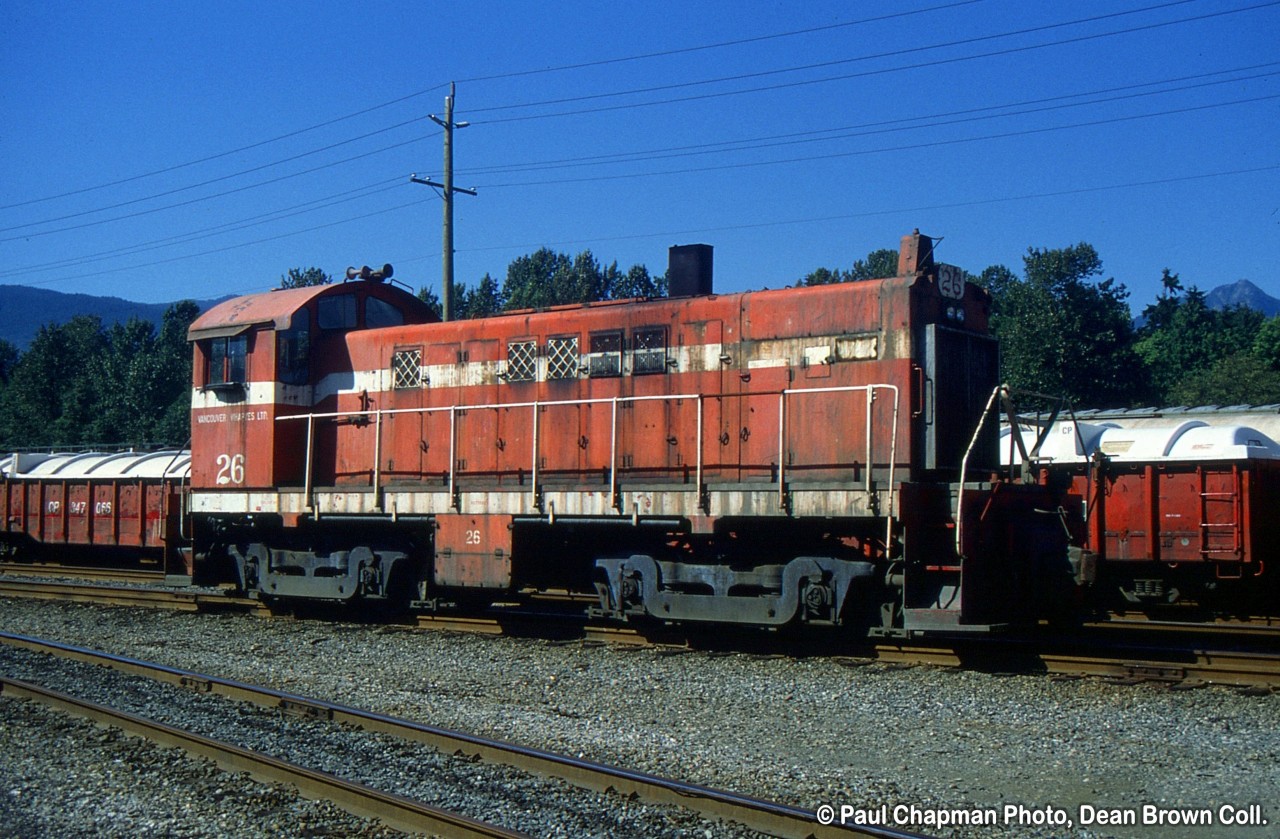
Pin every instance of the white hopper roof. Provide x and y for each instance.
(1190, 440)
(80, 466)
(1066, 442)
(1235, 442)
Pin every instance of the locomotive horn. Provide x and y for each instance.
(367, 273)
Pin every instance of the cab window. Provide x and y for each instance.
(381, 313)
(227, 360)
(293, 351)
(337, 312)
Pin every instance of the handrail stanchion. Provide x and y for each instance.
(964, 465)
(871, 397)
(893, 462)
(311, 434)
(453, 454)
(699, 477)
(782, 446)
(377, 459)
(534, 471)
(614, 501)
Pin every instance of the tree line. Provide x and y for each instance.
(547, 278)
(1064, 330)
(81, 384)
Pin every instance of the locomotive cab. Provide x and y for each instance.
(262, 358)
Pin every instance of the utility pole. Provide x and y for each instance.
(447, 190)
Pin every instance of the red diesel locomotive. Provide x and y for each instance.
(765, 458)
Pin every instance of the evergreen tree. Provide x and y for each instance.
(1063, 332)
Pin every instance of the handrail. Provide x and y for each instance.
(537, 406)
(1000, 390)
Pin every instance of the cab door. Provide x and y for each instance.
(960, 370)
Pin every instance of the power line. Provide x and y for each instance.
(382, 185)
(634, 155)
(236, 246)
(175, 167)
(735, 43)
(219, 194)
(278, 214)
(912, 147)
(210, 181)
(862, 74)
(514, 74)
(701, 230)
(881, 126)
(977, 202)
(292, 158)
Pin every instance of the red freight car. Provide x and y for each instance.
(121, 500)
(1185, 511)
(739, 457)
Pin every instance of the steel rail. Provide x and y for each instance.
(1255, 626)
(150, 598)
(86, 572)
(1187, 665)
(766, 816)
(359, 799)
(526, 623)
(1201, 667)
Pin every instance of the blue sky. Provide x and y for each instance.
(156, 151)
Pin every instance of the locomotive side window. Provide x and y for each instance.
(293, 352)
(522, 361)
(406, 369)
(605, 357)
(562, 357)
(227, 360)
(649, 350)
(381, 313)
(338, 312)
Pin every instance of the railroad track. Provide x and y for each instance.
(1242, 655)
(123, 595)
(1105, 650)
(82, 572)
(394, 810)
(1181, 664)
(757, 814)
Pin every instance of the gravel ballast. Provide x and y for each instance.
(935, 744)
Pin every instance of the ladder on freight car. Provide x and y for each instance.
(1212, 530)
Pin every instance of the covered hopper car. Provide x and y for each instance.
(98, 506)
(1184, 512)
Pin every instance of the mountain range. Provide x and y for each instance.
(1243, 293)
(24, 309)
